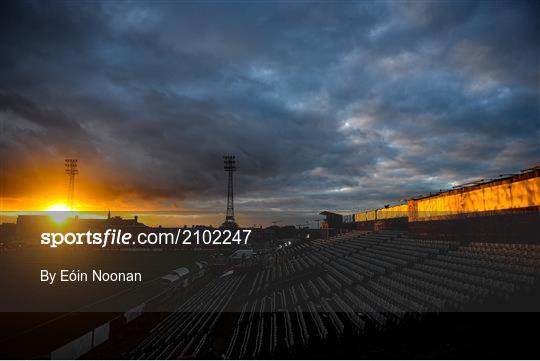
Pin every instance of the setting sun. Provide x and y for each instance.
(59, 212)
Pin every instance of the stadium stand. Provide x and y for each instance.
(323, 291)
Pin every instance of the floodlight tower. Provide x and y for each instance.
(230, 167)
(71, 171)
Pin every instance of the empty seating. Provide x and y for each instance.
(317, 291)
(323, 285)
(322, 332)
(353, 318)
(334, 319)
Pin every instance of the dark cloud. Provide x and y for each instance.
(342, 105)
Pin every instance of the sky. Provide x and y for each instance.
(338, 106)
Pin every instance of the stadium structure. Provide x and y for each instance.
(411, 280)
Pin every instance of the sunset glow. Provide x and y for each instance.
(59, 212)
(305, 115)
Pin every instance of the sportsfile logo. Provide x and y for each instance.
(118, 237)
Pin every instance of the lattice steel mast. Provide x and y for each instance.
(71, 171)
(230, 167)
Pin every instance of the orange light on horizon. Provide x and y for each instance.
(61, 212)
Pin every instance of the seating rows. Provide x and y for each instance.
(350, 314)
(323, 285)
(523, 261)
(481, 271)
(318, 290)
(260, 333)
(402, 253)
(304, 334)
(503, 250)
(335, 321)
(363, 242)
(347, 249)
(292, 295)
(332, 281)
(376, 260)
(303, 292)
(419, 280)
(495, 264)
(402, 301)
(411, 246)
(365, 308)
(288, 331)
(478, 284)
(313, 288)
(433, 303)
(397, 258)
(378, 303)
(322, 332)
(441, 245)
(365, 263)
(185, 332)
(534, 248)
(351, 273)
(339, 276)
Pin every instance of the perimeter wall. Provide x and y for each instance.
(504, 210)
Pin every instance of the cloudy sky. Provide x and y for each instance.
(326, 105)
